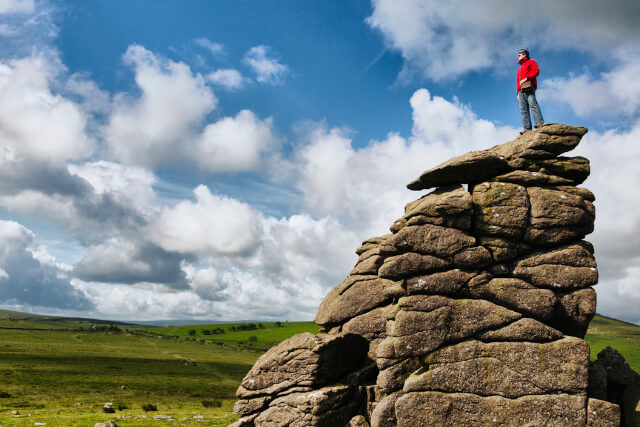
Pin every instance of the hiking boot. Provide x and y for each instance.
(539, 125)
(524, 130)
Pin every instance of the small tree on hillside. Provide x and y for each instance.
(192, 332)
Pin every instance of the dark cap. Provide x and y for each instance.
(525, 51)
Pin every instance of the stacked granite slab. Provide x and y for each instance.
(471, 312)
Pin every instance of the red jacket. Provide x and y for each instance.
(530, 70)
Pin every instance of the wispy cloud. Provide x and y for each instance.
(215, 49)
(267, 69)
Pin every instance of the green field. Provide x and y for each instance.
(60, 374)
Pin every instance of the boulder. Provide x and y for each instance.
(326, 407)
(557, 217)
(303, 362)
(356, 295)
(574, 311)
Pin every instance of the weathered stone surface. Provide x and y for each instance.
(557, 217)
(327, 407)
(369, 265)
(425, 323)
(368, 254)
(601, 413)
(565, 268)
(475, 166)
(393, 376)
(409, 264)
(473, 257)
(249, 406)
(576, 169)
(358, 421)
(544, 143)
(352, 298)
(372, 243)
(503, 249)
(432, 240)
(443, 202)
(462, 222)
(578, 254)
(303, 361)
(384, 415)
(574, 312)
(526, 329)
(500, 209)
(525, 368)
(450, 282)
(519, 296)
(529, 179)
(462, 409)
(578, 191)
(245, 421)
(372, 326)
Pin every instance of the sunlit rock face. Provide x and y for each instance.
(472, 311)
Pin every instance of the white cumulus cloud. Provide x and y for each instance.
(212, 224)
(613, 93)
(35, 123)
(237, 143)
(443, 40)
(150, 129)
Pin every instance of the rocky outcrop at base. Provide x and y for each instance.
(471, 312)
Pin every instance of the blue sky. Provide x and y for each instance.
(223, 160)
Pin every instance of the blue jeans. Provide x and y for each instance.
(527, 100)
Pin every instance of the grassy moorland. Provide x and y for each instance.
(62, 371)
(623, 336)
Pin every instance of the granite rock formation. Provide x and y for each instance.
(470, 312)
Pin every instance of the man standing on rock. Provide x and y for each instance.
(527, 84)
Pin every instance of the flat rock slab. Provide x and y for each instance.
(477, 166)
(462, 409)
(509, 369)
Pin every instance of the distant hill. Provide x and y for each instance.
(20, 320)
(187, 322)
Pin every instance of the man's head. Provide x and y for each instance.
(523, 55)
